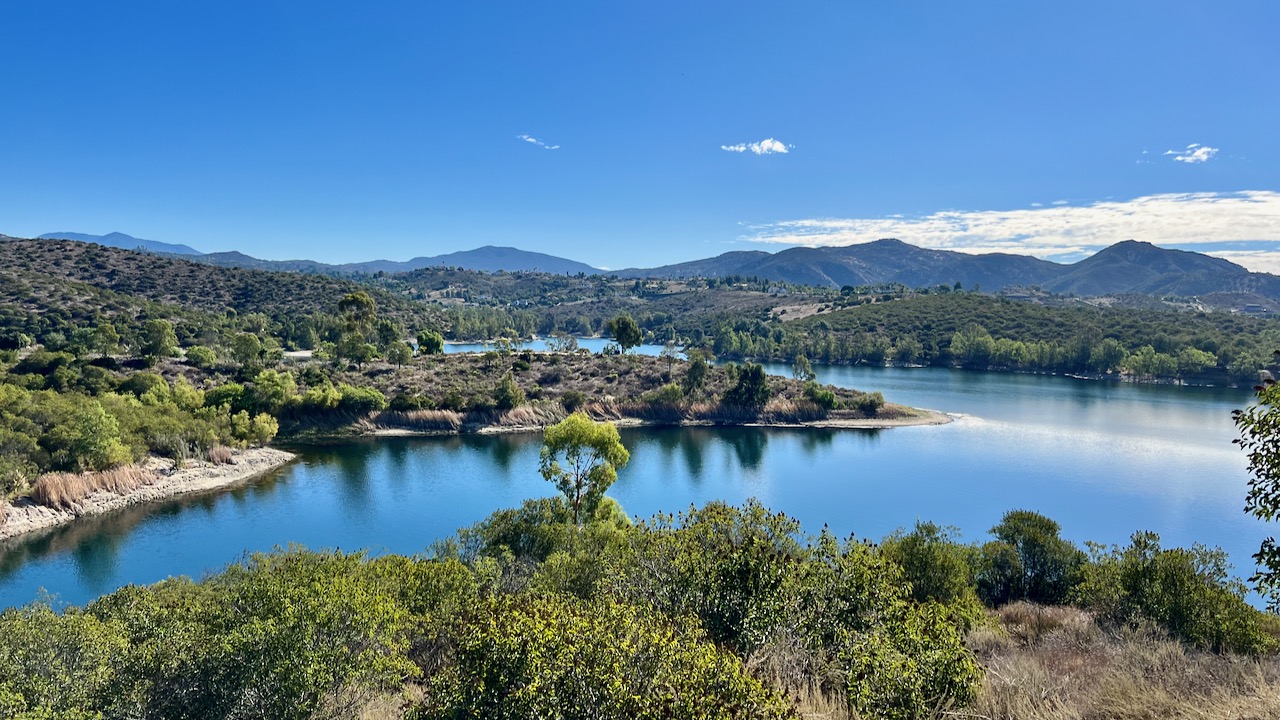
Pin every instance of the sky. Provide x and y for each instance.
(625, 134)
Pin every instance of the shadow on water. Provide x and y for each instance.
(93, 542)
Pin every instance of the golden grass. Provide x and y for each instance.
(446, 420)
(1057, 664)
(66, 490)
(220, 455)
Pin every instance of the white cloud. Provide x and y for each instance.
(531, 139)
(1193, 153)
(768, 146)
(1178, 219)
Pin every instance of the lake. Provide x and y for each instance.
(1104, 459)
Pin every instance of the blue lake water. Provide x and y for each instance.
(1103, 459)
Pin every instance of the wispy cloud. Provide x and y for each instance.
(768, 146)
(535, 141)
(1066, 232)
(1193, 154)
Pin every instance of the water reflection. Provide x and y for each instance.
(1104, 460)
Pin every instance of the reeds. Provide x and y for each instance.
(441, 420)
(66, 490)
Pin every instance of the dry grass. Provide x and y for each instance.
(66, 490)
(220, 455)
(431, 420)
(1057, 664)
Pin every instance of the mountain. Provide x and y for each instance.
(126, 242)
(485, 259)
(875, 263)
(1126, 268)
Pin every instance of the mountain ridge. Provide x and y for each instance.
(1127, 267)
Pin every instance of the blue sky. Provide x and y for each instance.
(635, 134)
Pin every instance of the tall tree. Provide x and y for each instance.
(625, 332)
(158, 340)
(591, 452)
(1259, 427)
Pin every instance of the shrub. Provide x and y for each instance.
(508, 395)
(824, 398)
(573, 400)
(868, 403)
(360, 400)
(202, 357)
(1189, 593)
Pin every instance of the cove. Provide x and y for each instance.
(1103, 459)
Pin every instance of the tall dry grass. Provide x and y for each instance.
(65, 491)
(1058, 664)
(430, 420)
(220, 455)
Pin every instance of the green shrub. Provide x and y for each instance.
(529, 656)
(1190, 593)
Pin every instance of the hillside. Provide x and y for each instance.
(120, 240)
(165, 279)
(1129, 267)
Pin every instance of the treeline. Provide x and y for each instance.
(981, 332)
(718, 612)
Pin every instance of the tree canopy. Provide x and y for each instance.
(592, 453)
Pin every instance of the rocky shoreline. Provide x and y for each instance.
(26, 516)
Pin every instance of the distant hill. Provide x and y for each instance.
(485, 259)
(1128, 267)
(120, 240)
(172, 280)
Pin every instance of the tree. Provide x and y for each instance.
(751, 390)
(625, 332)
(430, 342)
(696, 375)
(399, 353)
(592, 453)
(508, 395)
(670, 353)
(358, 311)
(562, 343)
(802, 370)
(106, 340)
(246, 348)
(1042, 566)
(158, 340)
(1259, 427)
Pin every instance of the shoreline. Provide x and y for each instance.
(924, 418)
(26, 517)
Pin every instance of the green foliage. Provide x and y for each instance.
(572, 400)
(751, 389)
(939, 568)
(868, 403)
(1028, 561)
(202, 357)
(801, 369)
(399, 353)
(543, 657)
(1190, 593)
(695, 377)
(508, 395)
(55, 666)
(1259, 427)
(823, 397)
(625, 332)
(360, 400)
(272, 391)
(592, 453)
(158, 340)
(430, 342)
